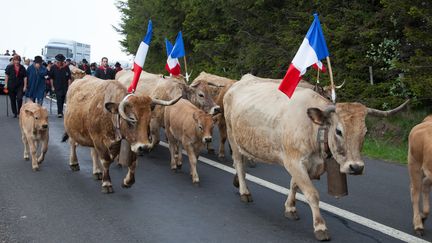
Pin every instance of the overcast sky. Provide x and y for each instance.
(27, 25)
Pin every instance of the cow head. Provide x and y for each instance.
(346, 131)
(203, 125)
(39, 115)
(199, 94)
(135, 114)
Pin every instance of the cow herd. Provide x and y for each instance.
(260, 123)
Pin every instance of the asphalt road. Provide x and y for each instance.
(58, 205)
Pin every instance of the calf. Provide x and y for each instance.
(420, 170)
(33, 120)
(190, 127)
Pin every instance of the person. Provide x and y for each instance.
(14, 53)
(118, 67)
(85, 67)
(93, 68)
(16, 77)
(35, 84)
(68, 61)
(48, 66)
(26, 62)
(7, 53)
(104, 71)
(60, 75)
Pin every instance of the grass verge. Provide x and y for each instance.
(392, 152)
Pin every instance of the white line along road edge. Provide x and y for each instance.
(324, 206)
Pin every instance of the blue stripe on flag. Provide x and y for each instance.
(148, 36)
(316, 39)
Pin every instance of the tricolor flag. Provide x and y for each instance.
(172, 65)
(174, 52)
(140, 57)
(312, 50)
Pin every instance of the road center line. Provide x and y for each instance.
(324, 206)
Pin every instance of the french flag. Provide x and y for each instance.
(312, 50)
(173, 64)
(140, 57)
(174, 52)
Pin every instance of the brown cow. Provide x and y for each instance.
(160, 87)
(265, 125)
(218, 92)
(420, 170)
(190, 127)
(99, 114)
(33, 120)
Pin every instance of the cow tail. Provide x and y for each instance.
(65, 137)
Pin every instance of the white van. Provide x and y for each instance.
(4, 62)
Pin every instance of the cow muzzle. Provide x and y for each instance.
(207, 139)
(215, 110)
(45, 126)
(353, 168)
(140, 147)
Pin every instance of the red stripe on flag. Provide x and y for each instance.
(137, 73)
(175, 71)
(290, 81)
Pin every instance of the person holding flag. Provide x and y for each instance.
(312, 50)
(140, 57)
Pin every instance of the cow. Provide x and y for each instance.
(100, 113)
(420, 170)
(76, 73)
(188, 127)
(160, 87)
(33, 120)
(264, 125)
(218, 92)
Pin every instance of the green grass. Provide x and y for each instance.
(392, 152)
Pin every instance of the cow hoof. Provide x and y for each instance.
(221, 156)
(423, 216)
(236, 181)
(126, 186)
(292, 215)
(35, 169)
(26, 157)
(419, 232)
(210, 151)
(179, 166)
(322, 235)
(107, 189)
(75, 167)
(40, 162)
(246, 198)
(196, 183)
(97, 176)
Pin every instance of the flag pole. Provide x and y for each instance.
(187, 75)
(333, 92)
(318, 71)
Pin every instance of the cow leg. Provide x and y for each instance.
(223, 137)
(26, 146)
(301, 178)
(239, 178)
(129, 180)
(210, 149)
(106, 179)
(44, 149)
(97, 170)
(73, 159)
(173, 147)
(33, 152)
(193, 162)
(179, 156)
(290, 209)
(154, 131)
(416, 176)
(425, 195)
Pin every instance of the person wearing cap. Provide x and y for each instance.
(105, 71)
(16, 77)
(60, 75)
(85, 67)
(36, 74)
(118, 67)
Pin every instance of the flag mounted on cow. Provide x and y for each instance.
(173, 64)
(312, 50)
(174, 53)
(140, 57)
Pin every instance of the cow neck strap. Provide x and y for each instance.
(322, 139)
(118, 135)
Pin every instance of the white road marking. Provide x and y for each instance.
(397, 234)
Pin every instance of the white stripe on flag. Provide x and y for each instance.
(141, 54)
(172, 62)
(305, 57)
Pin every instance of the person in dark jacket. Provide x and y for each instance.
(104, 71)
(85, 67)
(118, 67)
(60, 75)
(16, 77)
(36, 74)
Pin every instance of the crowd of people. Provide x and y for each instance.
(34, 80)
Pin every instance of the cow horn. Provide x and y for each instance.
(216, 85)
(340, 86)
(121, 108)
(379, 113)
(165, 102)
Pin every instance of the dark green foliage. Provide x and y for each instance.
(232, 38)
